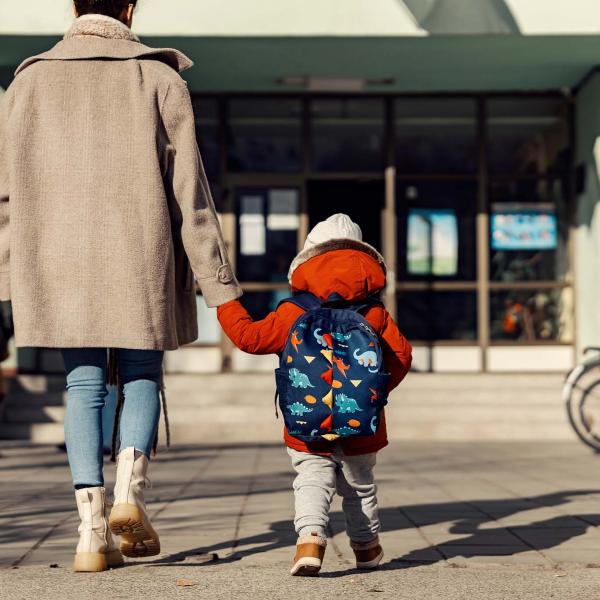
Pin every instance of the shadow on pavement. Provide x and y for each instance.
(467, 518)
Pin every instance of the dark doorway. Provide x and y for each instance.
(363, 201)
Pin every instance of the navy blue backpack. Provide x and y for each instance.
(331, 383)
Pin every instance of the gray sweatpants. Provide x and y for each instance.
(317, 480)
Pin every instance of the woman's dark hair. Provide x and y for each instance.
(109, 8)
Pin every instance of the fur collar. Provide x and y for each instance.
(328, 246)
(96, 36)
(101, 26)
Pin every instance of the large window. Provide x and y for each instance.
(482, 201)
(347, 135)
(436, 136)
(528, 155)
(264, 135)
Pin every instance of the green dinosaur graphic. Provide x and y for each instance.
(345, 404)
(299, 380)
(345, 431)
(298, 410)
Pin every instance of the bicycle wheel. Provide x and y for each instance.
(581, 393)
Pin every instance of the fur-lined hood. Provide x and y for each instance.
(97, 36)
(335, 244)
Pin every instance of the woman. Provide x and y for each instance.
(104, 205)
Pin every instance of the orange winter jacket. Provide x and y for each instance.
(354, 275)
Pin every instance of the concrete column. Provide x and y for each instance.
(586, 226)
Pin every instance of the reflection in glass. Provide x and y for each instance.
(347, 135)
(548, 260)
(432, 247)
(524, 227)
(268, 224)
(433, 315)
(260, 304)
(264, 135)
(529, 315)
(436, 230)
(528, 136)
(436, 136)
(209, 331)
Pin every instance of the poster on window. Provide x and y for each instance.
(432, 242)
(524, 227)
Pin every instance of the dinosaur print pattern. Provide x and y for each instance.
(367, 359)
(295, 340)
(298, 410)
(324, 339)
(299, 380)
(339, 363)
(341, 337)
(346, 431)
(345, 404)
(374, 423)
(330, 379)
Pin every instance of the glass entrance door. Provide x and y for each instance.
(268, 221)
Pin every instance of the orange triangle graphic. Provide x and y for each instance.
(309, 359)
(328, 399)
(330, 437)
(327, 376)
(356, 382)
(327, 423)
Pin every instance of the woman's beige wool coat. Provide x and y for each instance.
(103, 198)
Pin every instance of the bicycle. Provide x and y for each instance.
(581, 393)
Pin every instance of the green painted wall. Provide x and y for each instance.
(430, 64)
(587, 237)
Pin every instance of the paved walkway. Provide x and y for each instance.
(480, 520)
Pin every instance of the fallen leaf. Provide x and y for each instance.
(560, 574)
(186, 582)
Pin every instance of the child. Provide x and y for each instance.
(335, 263)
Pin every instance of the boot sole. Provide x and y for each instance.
(138, 538)
(95, 562)
(307, 567)
(370, 565)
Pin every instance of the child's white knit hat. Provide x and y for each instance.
(338, 232)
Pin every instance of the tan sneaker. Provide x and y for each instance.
(368, 555)
(310, 551)
(128, 517)
(97, 549)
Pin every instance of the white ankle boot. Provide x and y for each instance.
(128, 517)
(97, 549)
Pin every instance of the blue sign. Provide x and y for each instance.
(524, 227)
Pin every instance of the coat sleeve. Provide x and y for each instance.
(397, 351)
(200, 230)
(4, 207)
(267, 336)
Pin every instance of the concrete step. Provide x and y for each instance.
(27, 414)
(240, 407)
(37, 433)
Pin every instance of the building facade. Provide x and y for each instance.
(460, 134)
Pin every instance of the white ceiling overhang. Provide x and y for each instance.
(232, 18)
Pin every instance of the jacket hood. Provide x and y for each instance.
(335, 244)
(96, 36)
(351, 273)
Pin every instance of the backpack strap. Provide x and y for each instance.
(336, 301)
(304, 300)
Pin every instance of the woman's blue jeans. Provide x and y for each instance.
(140, 373)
